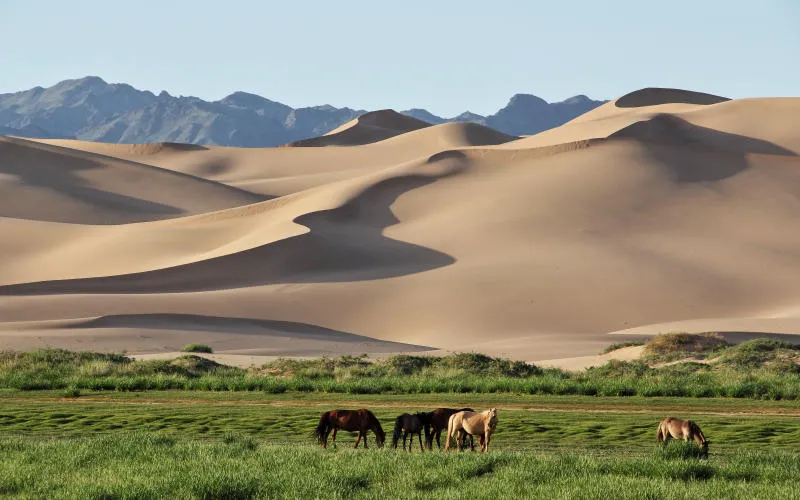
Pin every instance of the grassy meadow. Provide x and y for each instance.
(240, 445)
(92, 425)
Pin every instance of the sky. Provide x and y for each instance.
(447, 56)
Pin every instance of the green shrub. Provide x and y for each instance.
(197, 348)
(671, 346)
(622, 345)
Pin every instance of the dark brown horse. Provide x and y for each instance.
(406, 424)
(437, 420)
(360, 421)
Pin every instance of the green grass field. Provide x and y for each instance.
(94, 425)
(253, 445)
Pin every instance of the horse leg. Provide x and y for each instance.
(421, 449)
(405, 435)
(325, 437)
(358, 439)
(487, 434)
(334, 437)
(438, 439)
(365, 438)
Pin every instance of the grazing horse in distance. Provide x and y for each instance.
(677, 428)
(438, 419)
(406, 424)
(360, 421)
(474, 423)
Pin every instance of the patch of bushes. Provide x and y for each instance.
(673, 346)
(197, 348)
(757, 353)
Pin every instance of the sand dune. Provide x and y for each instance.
(45, 182)
(168, 333)
(367, 128)
(656, 211)
(283, 171)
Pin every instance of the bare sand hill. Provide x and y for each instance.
(46, 182)
(286, 170)
(370, 127)
(657, 210)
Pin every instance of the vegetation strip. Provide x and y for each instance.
(761, 369)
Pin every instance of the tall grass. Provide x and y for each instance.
(759, 369)
(153, 466)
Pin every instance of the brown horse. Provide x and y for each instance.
(470, 422)
(406, 424)
(677, 428)
(437, 420)
(360, 421)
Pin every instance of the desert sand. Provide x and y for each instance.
(665, 210)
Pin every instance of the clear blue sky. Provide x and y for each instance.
(444, 55)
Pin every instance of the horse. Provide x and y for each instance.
(682, 429)
(360, 421)
(438, 419)
(406, 424)
(470, 422)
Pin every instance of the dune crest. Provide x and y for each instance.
(367, 128)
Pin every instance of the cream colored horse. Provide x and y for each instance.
(472, 423)
(685, 430)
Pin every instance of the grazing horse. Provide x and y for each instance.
(360, 421)
(682, 429)
(406, 424)
(470, 422)
(438, 419)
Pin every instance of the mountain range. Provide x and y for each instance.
(91, 109)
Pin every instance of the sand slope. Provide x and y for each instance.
(45, 182)
(663, 206)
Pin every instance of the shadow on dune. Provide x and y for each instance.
(344, 244)
(653, 96)
(737, 337)
(248, 326)
(715, 155)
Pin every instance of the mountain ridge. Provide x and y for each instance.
(92, 109)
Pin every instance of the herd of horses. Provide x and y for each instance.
(460, 424)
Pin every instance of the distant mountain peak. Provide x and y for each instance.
(580, 98)
(526, 100)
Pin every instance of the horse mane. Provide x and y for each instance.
(697, 431)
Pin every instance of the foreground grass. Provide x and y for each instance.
(144, 465)
(252, 445)
(760, 369)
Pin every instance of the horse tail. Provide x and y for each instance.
(451, 426)
(398, 429)
(322, 427)
(660, 434)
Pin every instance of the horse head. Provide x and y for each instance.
(492, 416)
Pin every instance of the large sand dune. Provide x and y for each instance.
(662, 210)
